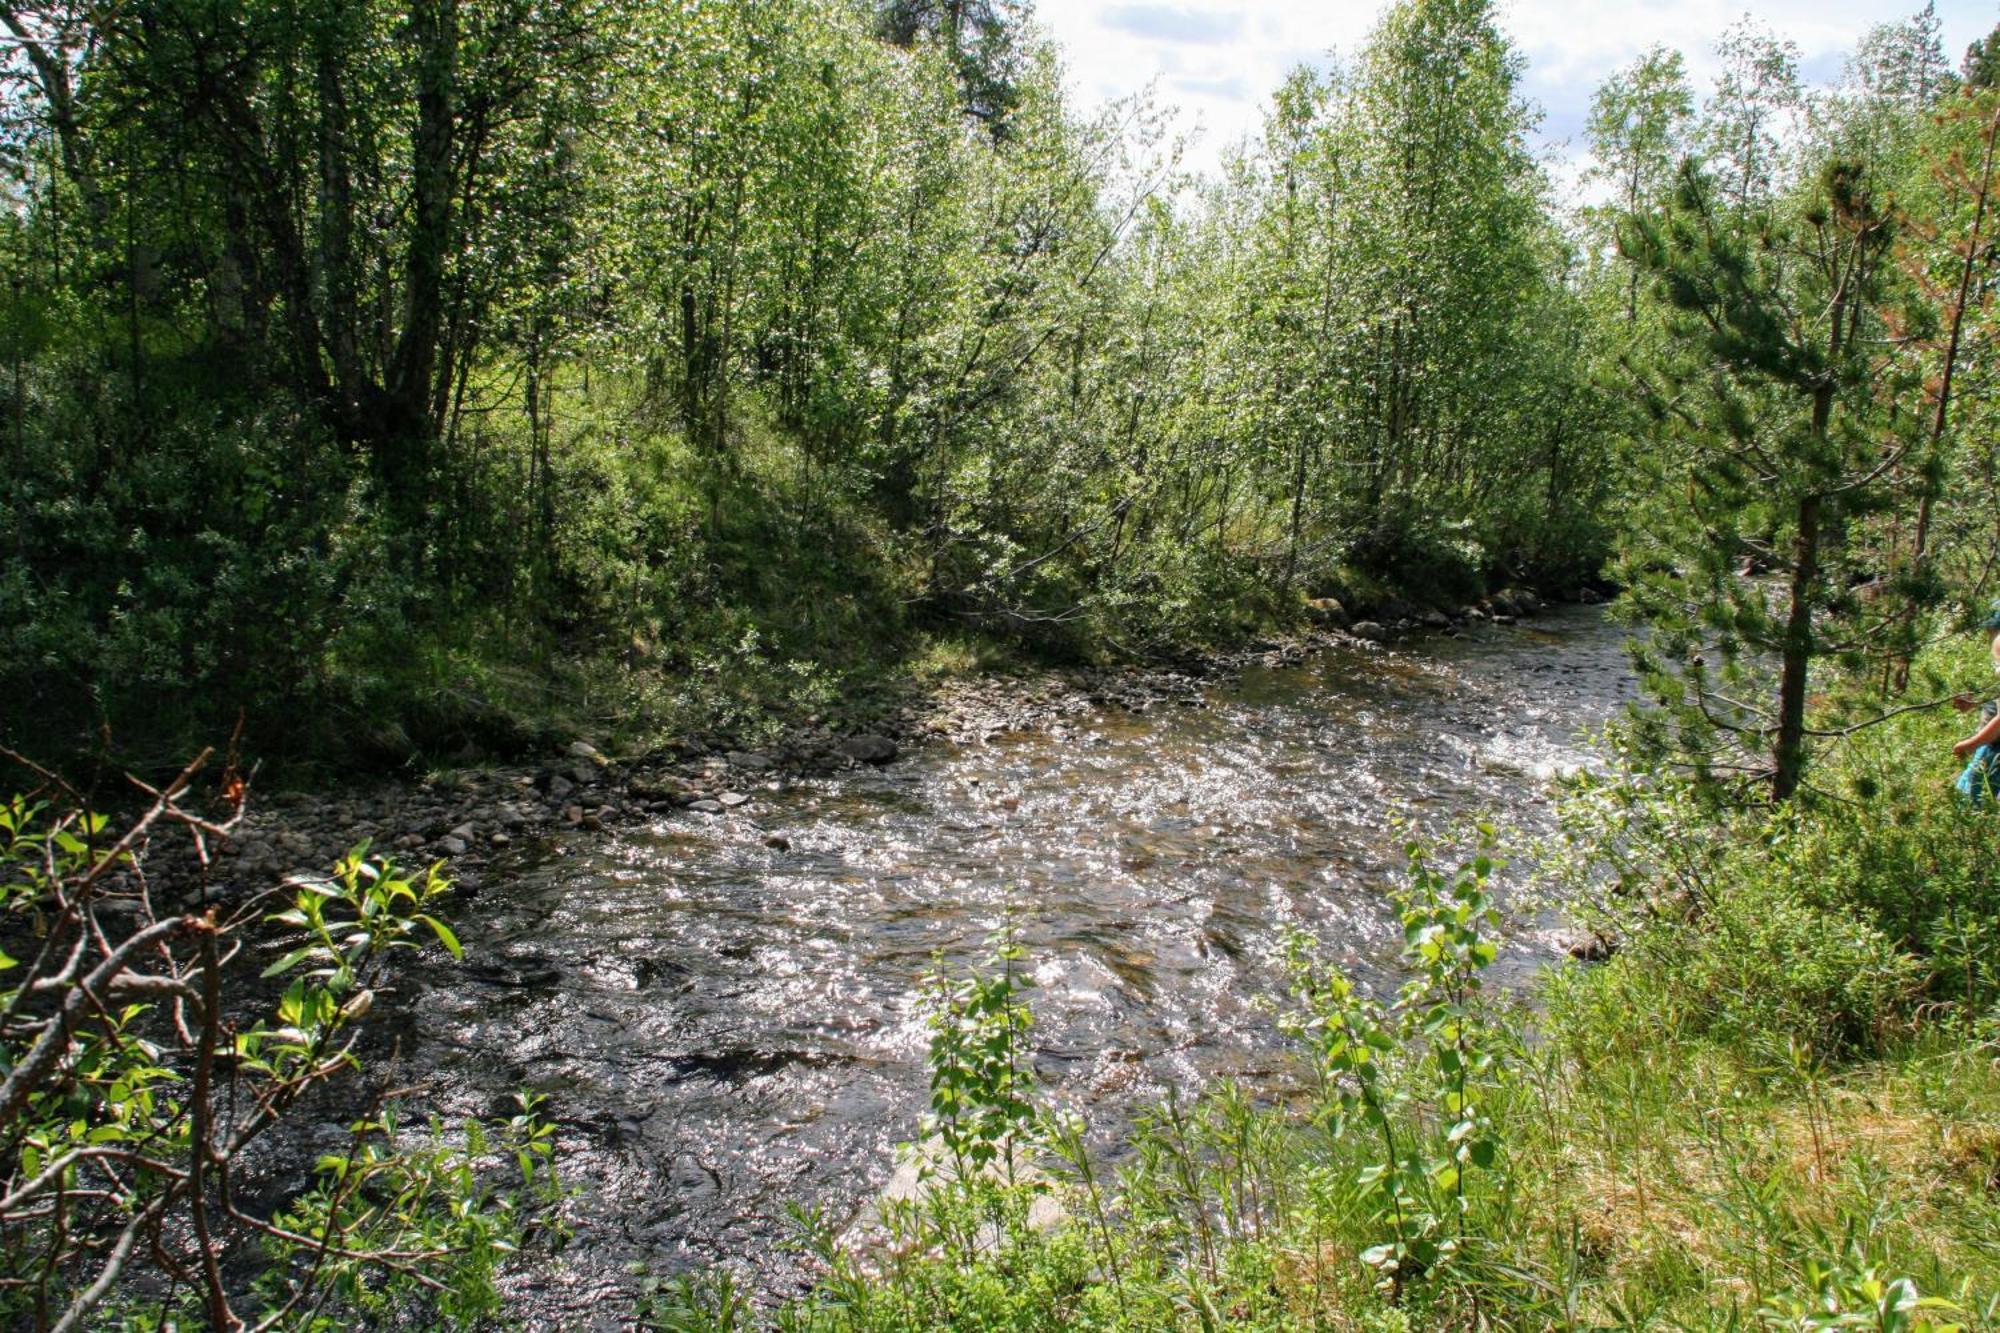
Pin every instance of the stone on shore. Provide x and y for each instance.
(869, 749)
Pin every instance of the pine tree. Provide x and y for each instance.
(1769, 442)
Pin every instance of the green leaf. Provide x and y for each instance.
(443, 932)
(288, 962)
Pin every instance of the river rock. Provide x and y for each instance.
(1326, 611)
(869, 749)
(586, 751)
(1370, 630)
(665, 787)
(922, 1168)
(1586, 946)
(778, 842)
(1435, 619)
(560, 787)
(748, 762)
(729, 800)
(706, 807)
(452, 846)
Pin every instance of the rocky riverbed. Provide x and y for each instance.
(710, 963)
(483, 820)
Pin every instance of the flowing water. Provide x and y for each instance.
(725, 1027)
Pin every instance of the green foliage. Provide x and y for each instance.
(133, 1088)
(439, 1199)
(1435, 1056)
(739, 319)
(1857, 1297)
(980, 1075)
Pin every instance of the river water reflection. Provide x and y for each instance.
(725, 1027)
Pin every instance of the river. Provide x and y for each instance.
(725, 1026)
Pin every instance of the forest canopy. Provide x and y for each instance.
(408, 378)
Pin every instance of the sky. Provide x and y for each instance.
(1217, 61)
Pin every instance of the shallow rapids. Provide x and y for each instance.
(725, 1026)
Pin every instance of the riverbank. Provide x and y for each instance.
(485, 817)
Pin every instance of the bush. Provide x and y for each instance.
(136, 1082)
(1756, 965)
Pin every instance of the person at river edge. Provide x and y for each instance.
(1977, 783)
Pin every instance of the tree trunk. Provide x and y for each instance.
(336, 227)
(1941, 405)
(434, 25)
(1788, 753)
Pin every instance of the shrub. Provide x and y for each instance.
(135, 1084)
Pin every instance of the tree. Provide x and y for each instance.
(1981, 68)
(1904, 62)
(1770, 441)
(323, 175)
(1746, 119)
(1440, 235)
(1637, 131)
(981, 39)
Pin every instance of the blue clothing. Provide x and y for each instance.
(1980, 782)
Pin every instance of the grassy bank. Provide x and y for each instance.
(1776, 1106)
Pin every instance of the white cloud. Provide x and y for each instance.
(1218, 61)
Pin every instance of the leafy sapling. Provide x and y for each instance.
(1412, 1079)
